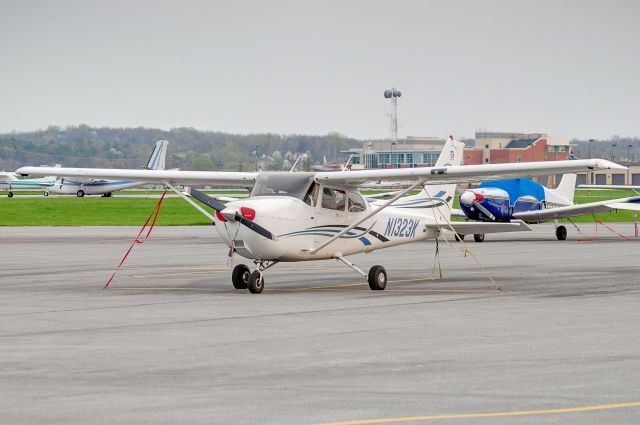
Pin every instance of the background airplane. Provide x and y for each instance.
(529, 201)
(80, 187)
(292, 217)
(11, 182)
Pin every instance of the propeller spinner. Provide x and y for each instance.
(243, 216)
(470, 198)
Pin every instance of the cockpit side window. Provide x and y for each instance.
(356, 202)
(333, 199)
(311, 197)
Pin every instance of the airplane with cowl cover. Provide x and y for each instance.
(526, 200)
(291, 217)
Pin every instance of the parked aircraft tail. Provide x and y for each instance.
(158, 156)
(567, 186)
(436, 196)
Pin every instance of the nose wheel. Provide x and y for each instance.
(256, 282)
(243, 278)
(240, 276)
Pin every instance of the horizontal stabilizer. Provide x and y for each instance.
(475, 227)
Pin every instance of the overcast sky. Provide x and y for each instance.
(569, 68)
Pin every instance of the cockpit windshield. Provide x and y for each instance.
(282, 184)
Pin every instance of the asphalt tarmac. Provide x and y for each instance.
(172, 342)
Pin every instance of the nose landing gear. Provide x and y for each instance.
(243, 278)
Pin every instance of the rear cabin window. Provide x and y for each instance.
(355, 202)
(333, 199)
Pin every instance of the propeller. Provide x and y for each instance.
(231, 214)
(470, 198)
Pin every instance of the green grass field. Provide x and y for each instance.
(120, 211)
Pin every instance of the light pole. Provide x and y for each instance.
(393, 94)
(590, 173)
(391, 159)
(612, 148)
(257, 148)
(629, 146)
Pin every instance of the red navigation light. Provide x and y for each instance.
(220, 217)
(248, 213)
(479, 198)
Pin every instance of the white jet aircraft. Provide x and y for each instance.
(317, 216)
(72, 185)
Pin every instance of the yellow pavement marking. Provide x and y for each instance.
(190, 272)
(486, 415)
(225, 269)
(337, 286)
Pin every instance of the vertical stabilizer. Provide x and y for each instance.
(567, 186)
(433, 197)
(158, 156)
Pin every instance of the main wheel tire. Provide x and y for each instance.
(561, 233)
(107, 195)
(240, 276)
(80, 193)
(377, 278)
(478, 237)
(459, 237)
(45, 194)
(255, 283)
(10, 194)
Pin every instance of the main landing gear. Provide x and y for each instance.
(80, 193)
(561, 233)
(377, 277)
(10, 194)
(243, 278)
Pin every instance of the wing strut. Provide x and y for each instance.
(189, 200)
(335, 237)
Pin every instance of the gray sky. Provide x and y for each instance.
(569, 68)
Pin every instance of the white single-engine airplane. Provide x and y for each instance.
(317, 216)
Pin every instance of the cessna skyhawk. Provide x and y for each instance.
(317, 216)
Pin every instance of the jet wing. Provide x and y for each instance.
(464, 173)
(475, 227)
(632, 203)
(212, 178)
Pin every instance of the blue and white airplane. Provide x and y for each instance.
(10, 182)
(80, 186)
(525, 200)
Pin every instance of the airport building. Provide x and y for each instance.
(614, 177)
(489, 148)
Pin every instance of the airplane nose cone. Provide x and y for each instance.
(467, 198)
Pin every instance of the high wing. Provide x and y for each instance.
(632, 203)
(475, 227)
(212, 178)
(451, 174)
(464, 173)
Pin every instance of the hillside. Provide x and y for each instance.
(85, 146)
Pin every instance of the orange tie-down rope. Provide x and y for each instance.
(596, 234)
(137, 239)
